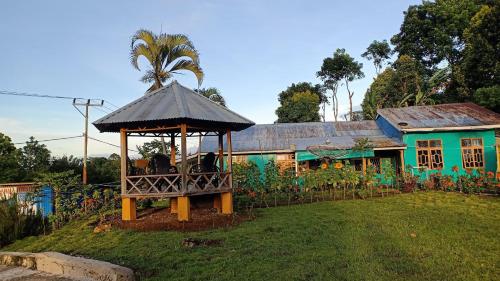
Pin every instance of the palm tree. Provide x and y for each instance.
(168, 54)
(212, 94)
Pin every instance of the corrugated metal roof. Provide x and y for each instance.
(440, 116)
(298, 136)
(172, 105)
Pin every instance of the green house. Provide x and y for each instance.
(417, 139)
(445, 138)
(289, 145)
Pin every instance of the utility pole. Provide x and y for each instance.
(87, 103)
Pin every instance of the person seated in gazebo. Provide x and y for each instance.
(208, 164)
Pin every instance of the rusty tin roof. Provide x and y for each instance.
(298, 136)
(441, 117)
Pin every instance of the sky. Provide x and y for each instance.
(249, 50)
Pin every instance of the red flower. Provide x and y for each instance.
(490, 174)
(454, 168)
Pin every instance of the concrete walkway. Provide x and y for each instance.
(12, 273)
(18, 266)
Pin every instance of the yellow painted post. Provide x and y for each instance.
(173, 205)
(227, 203)
(364, 165)
(217, 203)
(123, 160)
(172, 150)
(183, 208)
(498, 161)
(128, 209)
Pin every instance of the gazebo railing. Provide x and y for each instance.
(170, 185)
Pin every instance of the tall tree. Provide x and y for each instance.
(407, 84)
(304, 87)
(9, 167)
(434, 31)
(167, 54)
(301, 107)
(377, 95)
(402, 84)
(340, 67)
(34, 158)
(378, 51)
(481, 64)
(212, 94)
(66, 163)
(434, 34)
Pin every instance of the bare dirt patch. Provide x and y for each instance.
(162, 219)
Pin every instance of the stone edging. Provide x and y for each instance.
(68, 266)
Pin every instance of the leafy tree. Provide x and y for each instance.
(378, 51)
(377, 95)
(34, 158)
(481, 65)
(66, 163)
(403, 84)
(488, 97)
(167, 54)
(340, 67)
(433, 31)
(9, 167)
(407, 85)
(148, 149)
(303, 87)
(301, 107)
(103, 170)
(212, 94)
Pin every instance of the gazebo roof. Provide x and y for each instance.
(170, 106)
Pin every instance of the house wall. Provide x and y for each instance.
(452, 153)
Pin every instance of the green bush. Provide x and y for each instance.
(18, 220)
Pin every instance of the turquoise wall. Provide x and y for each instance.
(261, 160)
(452, 154)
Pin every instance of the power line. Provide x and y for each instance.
(54, 139)
(102, 110)
(109, 143)
(110, 109)
(12, 93)
(111, 104)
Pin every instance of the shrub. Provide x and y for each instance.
(19, 220)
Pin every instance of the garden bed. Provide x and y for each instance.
(161, 219)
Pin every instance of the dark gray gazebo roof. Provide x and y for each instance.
(172, 105)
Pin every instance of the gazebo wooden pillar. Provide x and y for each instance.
(177, 112)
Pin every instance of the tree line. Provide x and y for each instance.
(34, 161)
(446, 51)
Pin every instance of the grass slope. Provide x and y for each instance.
(426, 236)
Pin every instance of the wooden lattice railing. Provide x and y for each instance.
(170, 185)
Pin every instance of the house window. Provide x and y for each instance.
(375, 162)
(472, 153)
(430, 154)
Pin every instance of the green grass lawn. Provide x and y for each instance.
(425, 236)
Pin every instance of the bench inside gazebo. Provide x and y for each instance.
(174, 112)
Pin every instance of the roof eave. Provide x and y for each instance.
(457, 128)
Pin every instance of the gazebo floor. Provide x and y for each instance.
(162, 219)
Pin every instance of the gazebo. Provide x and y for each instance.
(171, 112)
